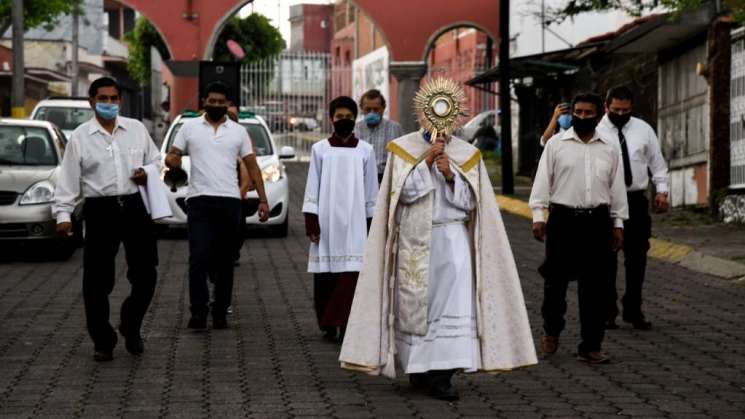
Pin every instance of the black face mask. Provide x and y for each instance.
(215, 113)
(618, 119)
(343, 127)
(584, 126)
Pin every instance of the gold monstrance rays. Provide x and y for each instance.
(441, 102)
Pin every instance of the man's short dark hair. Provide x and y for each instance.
(593, 98)
(619, 93)
(219, 88)
(372, 94)
(345, 102)
(103, 82)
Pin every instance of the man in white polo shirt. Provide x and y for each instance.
(213, 141)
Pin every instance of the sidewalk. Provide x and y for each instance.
(687, 238)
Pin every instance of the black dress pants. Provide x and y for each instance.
(110, 221)
(213, 224)
(637, 231)
(577, 248)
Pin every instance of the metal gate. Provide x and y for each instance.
(737, 111)
(291, 91)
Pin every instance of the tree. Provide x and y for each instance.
(140, 40)
(37, 13)
(573, 8)
(255, 34)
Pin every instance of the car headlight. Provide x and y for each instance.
(39, 193)
(272, 173)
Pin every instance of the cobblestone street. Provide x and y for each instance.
(272, 362)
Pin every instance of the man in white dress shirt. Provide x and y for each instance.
(214, 142)
(580, 181)
(103, 163)
(641, 154)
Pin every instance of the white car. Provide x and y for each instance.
(66, 113)
(30, 158)
(273, 172)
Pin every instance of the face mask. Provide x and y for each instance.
(107, 111)
(584, 126)
(373, 118)
(565, 121)
(343, 127)
(215, 113)
(619, 120)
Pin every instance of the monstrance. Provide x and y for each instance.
(441, 102)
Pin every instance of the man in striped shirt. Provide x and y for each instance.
(375, 129)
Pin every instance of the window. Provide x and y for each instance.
(66, 119)
(26, 146)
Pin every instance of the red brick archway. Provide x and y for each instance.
(190, 28)
(411, 28)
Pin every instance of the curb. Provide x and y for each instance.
(679, 254)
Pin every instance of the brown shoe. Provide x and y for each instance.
(550, 344)
(593, 357)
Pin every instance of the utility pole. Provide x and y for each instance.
(75, 59)
(543, 25)
(508, 187)
(18, 95)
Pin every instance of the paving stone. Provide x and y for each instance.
(272, 362)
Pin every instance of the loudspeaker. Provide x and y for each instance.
(227, 73)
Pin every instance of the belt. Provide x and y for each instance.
(446, 223)
(638, 193)
(117, 199)
(580, 212)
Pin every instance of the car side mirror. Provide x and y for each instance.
(287, 152)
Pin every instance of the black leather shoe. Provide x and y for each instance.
(103, 356)
(419, 380)
(219, 323)
(132, 341)
(197, 322)
(444, 391)
(639, 323)
(611, 325)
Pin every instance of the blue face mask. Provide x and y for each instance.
(565, 121)
(107, 111)
(373, 118)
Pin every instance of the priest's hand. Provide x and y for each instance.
(438, 148)
(539, 231)
(443, 165)
(617, 239)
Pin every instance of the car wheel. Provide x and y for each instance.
(281, 230)
(63, 249)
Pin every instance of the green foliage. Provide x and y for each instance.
(255, 34)
(636, 8)
(37, 12)
(140, 39)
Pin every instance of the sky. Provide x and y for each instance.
(524, 23)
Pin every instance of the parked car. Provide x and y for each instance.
(65, 113)
(30, 158)
(272, 168)
(299, 123)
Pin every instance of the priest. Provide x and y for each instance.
(439, 290)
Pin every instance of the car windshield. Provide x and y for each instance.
(67, 119)
(257, 132)
(26, 146)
